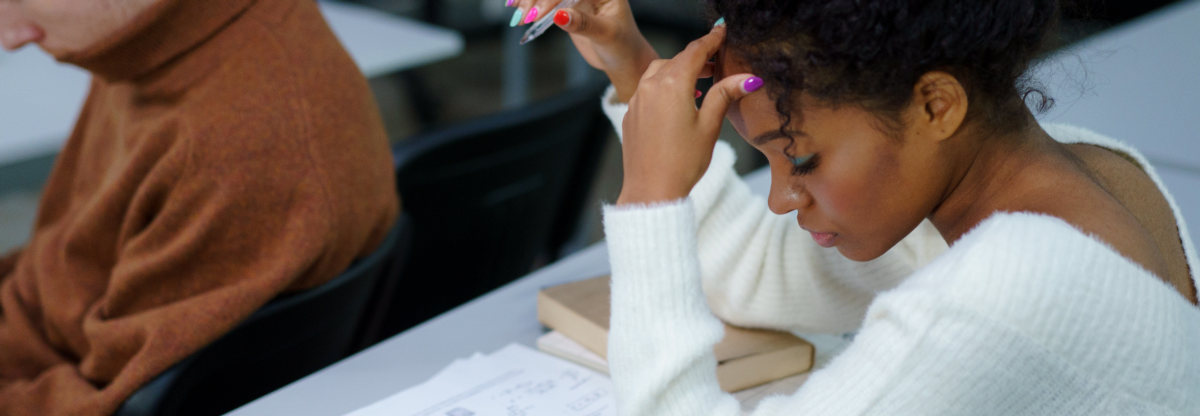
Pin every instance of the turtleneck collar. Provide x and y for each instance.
(157, 36)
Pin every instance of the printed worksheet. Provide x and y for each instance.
(515, 381)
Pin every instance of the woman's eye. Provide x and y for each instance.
(803, 165)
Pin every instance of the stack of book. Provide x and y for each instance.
(578, 314)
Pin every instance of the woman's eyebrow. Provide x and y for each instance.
(774, 135)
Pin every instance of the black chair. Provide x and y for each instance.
(290, 337)
(490, 199)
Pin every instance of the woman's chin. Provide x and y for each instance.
(857, 253)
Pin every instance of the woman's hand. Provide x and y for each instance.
(606, 35)
(668, 142)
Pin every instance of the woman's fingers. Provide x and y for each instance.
(581, 23)
(655, 66)
(693, 58)
(528, 11)
(540, 9)
(518, 14)
(707, 71)
(721, 96)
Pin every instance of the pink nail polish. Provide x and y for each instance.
(533, 14)
(752, 84)
(509, 3)
(698, 93)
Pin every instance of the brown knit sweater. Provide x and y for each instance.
(229, 150)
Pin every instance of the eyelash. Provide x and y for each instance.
(804, 165)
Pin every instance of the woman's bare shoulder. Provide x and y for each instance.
(1119, 176)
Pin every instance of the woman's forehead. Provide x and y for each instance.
(728, 63)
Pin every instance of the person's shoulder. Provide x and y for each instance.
(1037, 272)
(283, 49)
(1068, 294)
(1026, 248)
(298, 37)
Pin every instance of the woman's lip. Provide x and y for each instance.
(826, 240)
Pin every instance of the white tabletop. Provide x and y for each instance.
(40, 98)
(504, 316)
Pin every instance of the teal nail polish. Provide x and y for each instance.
(799, 160)
(719, 22)
(516, 17)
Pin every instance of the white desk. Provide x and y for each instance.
(1140, 83)
(40, 98)
(506, 315)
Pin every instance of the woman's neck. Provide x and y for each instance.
(994, 175)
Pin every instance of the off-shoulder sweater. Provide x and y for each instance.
(1025, 314)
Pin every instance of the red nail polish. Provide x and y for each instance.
(562, 18)
(698, 93)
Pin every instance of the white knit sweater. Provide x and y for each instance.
(1024, 315)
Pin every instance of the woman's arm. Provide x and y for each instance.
(945, 342)
(660, 345)
(761, 270)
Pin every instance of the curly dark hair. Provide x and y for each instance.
(872, 52)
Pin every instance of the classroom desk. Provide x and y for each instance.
(40, 98)
(486, 324)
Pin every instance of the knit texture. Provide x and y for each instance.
(228, 151)
(1024, 315)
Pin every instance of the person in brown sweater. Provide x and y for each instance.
(228, 151)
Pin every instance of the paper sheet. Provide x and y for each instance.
(561, 346)
(515, 381)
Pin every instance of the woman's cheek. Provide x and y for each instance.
(845, 195)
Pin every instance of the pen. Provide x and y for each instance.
(539, 27)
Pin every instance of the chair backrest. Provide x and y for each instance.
(489, 199)
(290, 337)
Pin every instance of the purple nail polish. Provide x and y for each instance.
(752, 84)
(509, 3)
(533, 14)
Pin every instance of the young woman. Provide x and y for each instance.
(990, 265)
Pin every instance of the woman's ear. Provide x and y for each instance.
(940, 105)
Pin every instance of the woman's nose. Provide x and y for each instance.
(786, 194)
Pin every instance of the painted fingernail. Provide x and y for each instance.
(509, 3)
(698, 93)
(562, 18)
(516, 17)
(719, 22)
(533, 14)
(752, 84)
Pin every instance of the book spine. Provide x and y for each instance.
(563, 319)
(746, 372)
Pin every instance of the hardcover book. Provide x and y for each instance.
(745, 357)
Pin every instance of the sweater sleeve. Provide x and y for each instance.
(760, 269)
(933, 345)
(662, 333)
